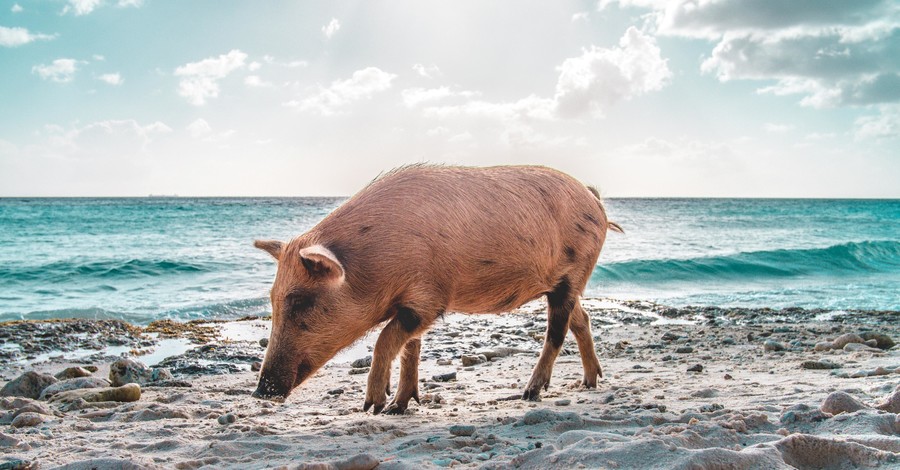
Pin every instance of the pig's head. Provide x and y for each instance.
(312, 318)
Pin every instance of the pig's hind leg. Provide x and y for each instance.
(408, 388)
(407, 324)
(580, 324)
(561, 303)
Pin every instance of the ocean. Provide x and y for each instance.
(142, 259)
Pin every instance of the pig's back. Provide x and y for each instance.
(486, 239)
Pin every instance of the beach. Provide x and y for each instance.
(690, 387)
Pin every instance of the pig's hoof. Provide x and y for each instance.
(376, 410)
(590, 381)
(396, 409)
(532, 395)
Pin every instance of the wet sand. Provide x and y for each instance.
(682, 388)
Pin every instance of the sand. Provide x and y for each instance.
(682, 388)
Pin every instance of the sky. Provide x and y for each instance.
(642, 98)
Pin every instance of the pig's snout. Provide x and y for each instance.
(276, 386)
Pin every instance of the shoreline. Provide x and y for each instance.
(681, 387)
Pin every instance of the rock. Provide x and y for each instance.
(882, 341)
(73, 384)
(728, 377)
(669, 336)
(471, 360)
(684, 350)
(28, 385)
(563, 402)
(256, 366)
(860, 347)
(695, 368)
(819, 365)
(823, 346)
(264, 342)
(846, 339)
(8, 441)
(490, 354)
(227, 418)
(444, 377)
(705, 393)
(129, 371)
(545, 415)
(360, 370)
(362, 362)
(357, 462)
(19, 405)
(891, 403)
(802, 413)
(336, 391)
(73, 373)
(444, 362)
(840, 402)
(28, 419)
(462, 430)
(125, 393)
(772, 346)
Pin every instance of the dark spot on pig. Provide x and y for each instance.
(408, 318)
(508, 302)
(302, 325)
(364, 229)
(487, 262)
(543, 192)
(591, 218)
(570, 253)
(301, 302)
(580, 228)
(560, 302)
(442, 234)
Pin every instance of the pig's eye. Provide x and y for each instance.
(301, 303)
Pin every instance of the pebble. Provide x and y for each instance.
(840, 402)
(444, 377)
(772, 345)
(227, 418)
(28, 385)
(563, 402)
(860, 347)
(669, 336)
(444, 362)
(695, 368)
(27, 419)
(264, 342)
(684, 350)
(823, 346)
(728, 377)
(846, 339)
(471, 360)
(882, 341)
(73, 373)
(126, 371)
(705, 393)
(362, 362)
(360, 370)
(256, 366)
(819, 365)
(462, 430)
(336, 391)
(125, 393)
(73, 384)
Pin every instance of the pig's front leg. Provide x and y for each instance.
(408, 388)
(561, 302)
(406, 325)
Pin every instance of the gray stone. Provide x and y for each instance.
(860, 347)
(684, 350)
(772, 346)
(129, 371)
(882, 341)
(563, 402)
(823, 346)
(227, 418)
(28, 420)
(73, 373)
(819, 365)
(840, 402)
(264, 342)
(891, 403)
(73, 384)
(846, 339)
(471, 360)
(362, 362)
(28, 385)
(462, 430)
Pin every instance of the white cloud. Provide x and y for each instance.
(254, 66)
(427, 71)
(886, 125)
(200, 79)
(114, 79)
(16, 8)
(362, 85)
(14, 37)
(601, 77)
(413, 97)
(530, 107)
(331, 28)
(580, 16)
(60, 71)
(85, 7)
(201, 130)
(254, 81)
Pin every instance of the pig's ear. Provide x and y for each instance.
(272, 247)
(321, 263)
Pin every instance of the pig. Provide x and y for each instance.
(423, 240)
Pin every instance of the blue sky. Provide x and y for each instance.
(754, 98)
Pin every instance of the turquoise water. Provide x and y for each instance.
(146, 258)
